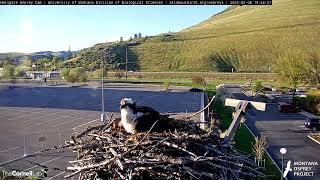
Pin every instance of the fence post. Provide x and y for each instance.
(42, 144)
(206, 80)
(24, 145)
(9, 150)
(59, 136)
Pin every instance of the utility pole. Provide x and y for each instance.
(127, 63)
(46, 74)
(102, 94)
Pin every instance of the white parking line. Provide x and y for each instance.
(19, 112)
(58, 114)
(28, 114)
(74, 128)
(51, 120)
(56, 175)
(38, 109)
(10, 149)
(41, 117)
(43, 163)
(67, 122)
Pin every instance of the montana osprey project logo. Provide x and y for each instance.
(288, 168)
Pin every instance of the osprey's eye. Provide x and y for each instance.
(123, 106)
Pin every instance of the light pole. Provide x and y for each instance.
(127, 63)
(33, 67)
(283, 151)
(102, 94)
(45, 68)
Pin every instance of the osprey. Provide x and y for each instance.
(136, 119)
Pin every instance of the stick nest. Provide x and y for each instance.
(108, 153)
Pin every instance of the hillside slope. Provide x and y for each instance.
(241, 38)
(37, 55)
(246, 38)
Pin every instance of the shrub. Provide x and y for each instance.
(83, 77)
(65, 73)
(166, 85)
(311, 103)
(19, 72)
(257, 87)
(74, 75)
(197, 80)
(119, 74)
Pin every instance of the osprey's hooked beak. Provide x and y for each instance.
(127, 103)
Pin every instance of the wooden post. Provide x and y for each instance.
(241, 107)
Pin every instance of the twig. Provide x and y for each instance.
(208, 105)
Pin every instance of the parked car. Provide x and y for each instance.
(288, 108)
(312, 123)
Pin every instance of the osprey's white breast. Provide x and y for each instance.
(127, 120)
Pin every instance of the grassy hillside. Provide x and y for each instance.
(36, 55)
(10, 55)
(241, 38)
(113, 54)
(247, 38)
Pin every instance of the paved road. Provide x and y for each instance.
(44, 111)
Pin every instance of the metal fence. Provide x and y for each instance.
(18, 147)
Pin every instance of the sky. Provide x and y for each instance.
(54, 28)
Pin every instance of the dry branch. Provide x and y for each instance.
(107, 153)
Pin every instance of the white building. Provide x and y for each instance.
(42, 74)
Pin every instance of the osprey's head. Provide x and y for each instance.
(127, 103)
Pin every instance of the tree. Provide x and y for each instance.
(139, 35)
(8, 72)
(313, 69)
(27, 63)
(65, 73)
(135, 36)
(83, 78)
(74, 75)
(18, 72)
(291, 69)
(42, 62)
(6, 61)
(121, 39)
(259, 148)
(54, 64)
(130, 38)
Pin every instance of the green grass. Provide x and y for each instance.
(248, 38)
(242, 38)
(243, 138)
(177, 82)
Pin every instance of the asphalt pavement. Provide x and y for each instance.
(35, 118)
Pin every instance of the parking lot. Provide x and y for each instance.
(286, 130)
(36, 118)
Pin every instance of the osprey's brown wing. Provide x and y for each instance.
(146, 110)
(149, 117)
